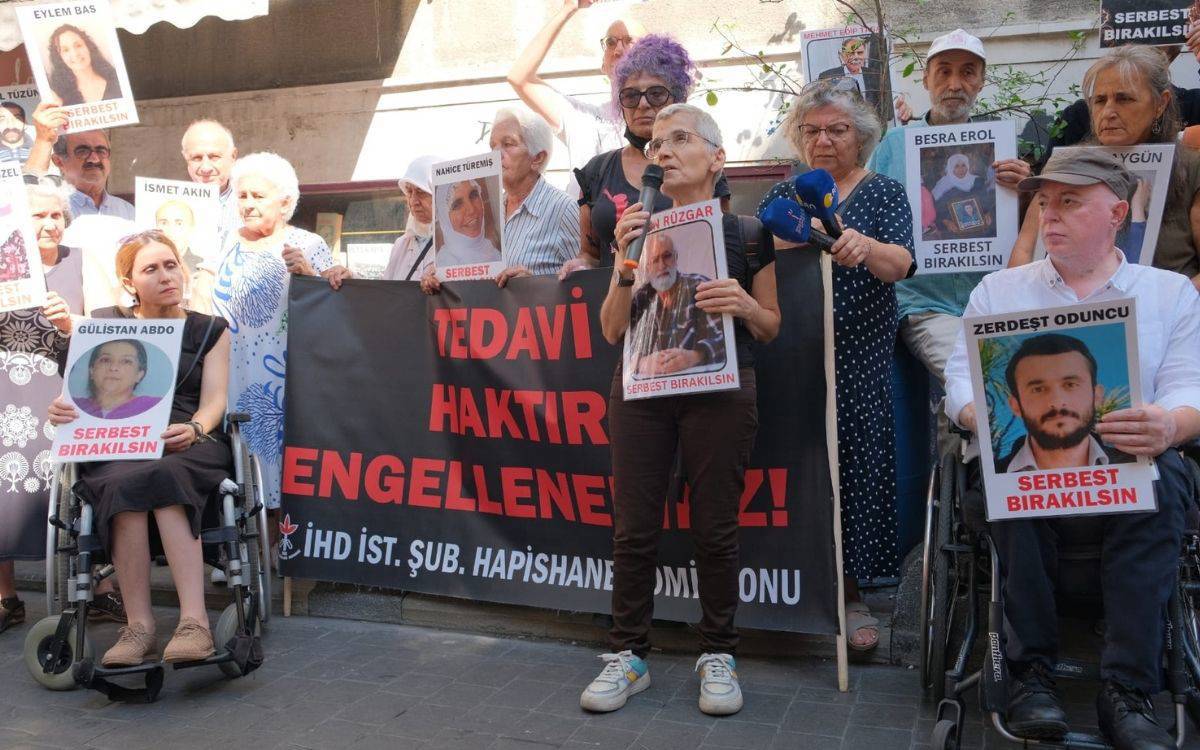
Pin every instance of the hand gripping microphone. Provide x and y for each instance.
(818, 194)
(651, 181)
(787, 220)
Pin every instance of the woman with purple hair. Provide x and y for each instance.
(655, 72)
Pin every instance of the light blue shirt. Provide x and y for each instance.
(1168, 325)
(945, 293)
(543, 233)
(110, 205)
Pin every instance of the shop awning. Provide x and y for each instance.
(138, 15)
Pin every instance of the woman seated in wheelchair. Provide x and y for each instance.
(175, 488)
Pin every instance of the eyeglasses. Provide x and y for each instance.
(146, 237)
(836, 131)
(678, 139)
(33, 179)
(83, 152)
(655, 96)
(843, 84)
(611, 42)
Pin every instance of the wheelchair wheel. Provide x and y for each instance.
(945, 736)
(58, 563)
(939, 593)
(36, 653)
(226, 629)
(260, 547)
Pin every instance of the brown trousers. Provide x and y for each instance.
(714, 433)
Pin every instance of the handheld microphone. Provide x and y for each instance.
(818, 193)
(787, 220)
(651, 181)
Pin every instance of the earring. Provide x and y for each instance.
(1156, 129)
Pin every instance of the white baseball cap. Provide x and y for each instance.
(957, 39)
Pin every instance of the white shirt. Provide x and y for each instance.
(1024, 460)
(110, 205)
(587, 130)
(1168, 325)
(405, 252)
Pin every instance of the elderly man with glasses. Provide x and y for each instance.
(83, 158)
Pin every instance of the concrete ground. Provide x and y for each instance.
(345, 685)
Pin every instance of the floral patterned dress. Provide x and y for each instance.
(29, 381)
(251, 292)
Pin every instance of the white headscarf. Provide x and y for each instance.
(420, 175)
(950, 180)
(459, 248)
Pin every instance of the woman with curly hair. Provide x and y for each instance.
(79, 72)
(655, 72)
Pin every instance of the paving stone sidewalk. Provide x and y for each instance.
(346, 685)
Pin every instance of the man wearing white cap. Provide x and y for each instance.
(413, 252)
(931, 306)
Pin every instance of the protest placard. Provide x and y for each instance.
(17, 104)
(672, 346)
(853, 53)
(467, 218)
(961, 221)
(120, 377)
(22, 281)
(1041, 380)
(1146, 21)
(76, 60)
(367, 260)
(189, 213)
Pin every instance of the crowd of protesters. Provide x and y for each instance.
(1078, 207)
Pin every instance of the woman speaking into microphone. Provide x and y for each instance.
(713, 431)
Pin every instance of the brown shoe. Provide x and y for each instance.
(107, 606)
(133, 647)
(191, 642)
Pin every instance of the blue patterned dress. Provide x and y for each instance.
(251, 292)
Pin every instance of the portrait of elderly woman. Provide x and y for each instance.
(964, 195)
(830, 127)
(466, 229)
(77, 69)
(114, 371)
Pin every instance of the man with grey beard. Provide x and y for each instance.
(668, 332)
(931, 305)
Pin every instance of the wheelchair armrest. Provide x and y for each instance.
(237, 417)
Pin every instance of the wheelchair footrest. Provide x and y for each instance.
(222, 535)
(88, 675)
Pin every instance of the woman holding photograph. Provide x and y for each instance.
(174, 488)
(78, 71)
(466, 224)
(961, 200)
(1129, 95)
(30, 343)
(831, 127)
(713, 432)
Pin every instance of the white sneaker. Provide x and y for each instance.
(720, 693)
(218, 576)
(623, 675)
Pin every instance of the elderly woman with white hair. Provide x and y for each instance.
(30, 341)
(251, 292)
(831, 127)
(412, 253)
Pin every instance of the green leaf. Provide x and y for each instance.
(908, 69)
(766, 68)
(711, 98)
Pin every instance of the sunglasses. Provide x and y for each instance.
(655, 96)
(33, 179)
(844, 84)
(147, 236)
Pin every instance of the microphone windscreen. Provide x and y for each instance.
(787, 220)
(652, 177)
(818, 191)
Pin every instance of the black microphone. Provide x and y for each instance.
(651, 181)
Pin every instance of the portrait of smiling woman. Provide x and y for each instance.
(466, 224)
(115, 370)
(78, 71)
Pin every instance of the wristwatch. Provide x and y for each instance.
(622, 280)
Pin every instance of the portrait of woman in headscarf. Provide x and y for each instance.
(466, 224)
(965, 202)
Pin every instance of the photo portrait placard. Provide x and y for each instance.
(962, 221)
(1042, 380)
(189, 213)
(672, 346)
(120, 377)
(467, 218)
(22, 282)
(76, 60)
(1146, 21)
(17, 104)
(853, 53)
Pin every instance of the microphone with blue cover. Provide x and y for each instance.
(787, 220)
(818, 194)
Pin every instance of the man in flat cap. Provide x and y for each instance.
(1084, 197)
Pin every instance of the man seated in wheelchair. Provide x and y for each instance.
(175, 488)
(1084, 201)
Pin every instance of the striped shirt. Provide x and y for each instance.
(543, 233)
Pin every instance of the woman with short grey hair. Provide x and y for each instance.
(30, 342)
(831, 127)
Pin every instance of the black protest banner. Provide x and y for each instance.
(458, 445)
(1145, 21)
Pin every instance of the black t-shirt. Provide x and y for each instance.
(740, 267)
(604, 189)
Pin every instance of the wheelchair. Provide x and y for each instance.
(58, 652)
(959, 568)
